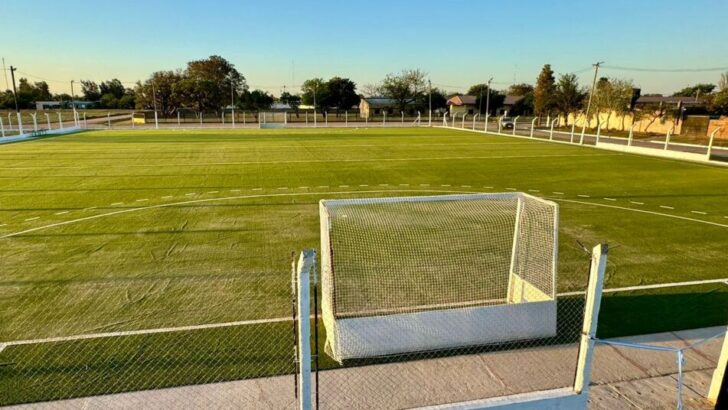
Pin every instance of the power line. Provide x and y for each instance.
(665, 70)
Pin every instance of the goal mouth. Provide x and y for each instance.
(408, 274)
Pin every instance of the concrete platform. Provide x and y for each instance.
(622, 378)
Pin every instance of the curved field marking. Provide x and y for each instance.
(122, 211)
(171, 204)
(685, 218)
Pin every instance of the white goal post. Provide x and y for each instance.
(415, 274)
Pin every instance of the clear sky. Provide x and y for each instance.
(281, 42)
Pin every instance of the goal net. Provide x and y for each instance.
(415, 274)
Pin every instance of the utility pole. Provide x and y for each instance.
(429, 86)
(73, 104)
(15, 92)
(591, 95)
(487, 100)
(232, 102)
(5, 71)
(154, 97)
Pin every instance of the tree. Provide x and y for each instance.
(439, 99)
(544, 94)
(315, 92)
(113, 87)
(294, 101)
(29, 93)
(255, 101)
(342, 93)
(568, 97)
(720, 102)
(90, 90)
(167, 86)
(521, 90)
(480, 91)
(208, 83)
(404, 88)
(613, 96)
(695, 90)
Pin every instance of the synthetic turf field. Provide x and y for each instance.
(117, 231)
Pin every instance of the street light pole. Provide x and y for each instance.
(15, 92)
(487, 98)
(232, 102)
(154, 98)
(15, 95)
(429, 86)
(73, 104)
(588, 104)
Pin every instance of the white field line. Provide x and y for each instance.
(312, 161)
(699, 212)
(32, 219)
(195, 201)
(636, 203)
(684, 218)
(666, 207)
(62, 212)
(286, 319)
(653, 286)
(142, 332)
(167, 197)
(338, 192)
(610, 199)
(557, 193)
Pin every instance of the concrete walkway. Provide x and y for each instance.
(622, 378)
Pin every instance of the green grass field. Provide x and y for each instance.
(121, 231)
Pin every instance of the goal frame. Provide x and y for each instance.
(515, 317)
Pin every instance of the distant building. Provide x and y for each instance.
(371, 106)
(508, 103)
(460, 104)
(668, 101)
(56, 105)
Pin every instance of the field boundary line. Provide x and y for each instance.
(142, 332)
(642, 211)
(316, 161)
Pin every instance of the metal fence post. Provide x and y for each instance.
(48, 120)
(573, 125)
(551, 131)
(533, 124)
(667, 138)
(631, 133)
(20, 124)
(475, 117)
(485, 128)
(35, 121)
(710, 143)
(463, 124)
(515, 122)
(591, 316)
(305, 265)
(60, 121)
(719, 385)
(2, 128)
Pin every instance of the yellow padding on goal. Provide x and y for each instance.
(520, 290)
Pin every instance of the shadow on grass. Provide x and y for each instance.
(62, 370)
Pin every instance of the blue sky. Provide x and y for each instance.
(276, 43)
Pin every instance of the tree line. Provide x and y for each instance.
(214, 85)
